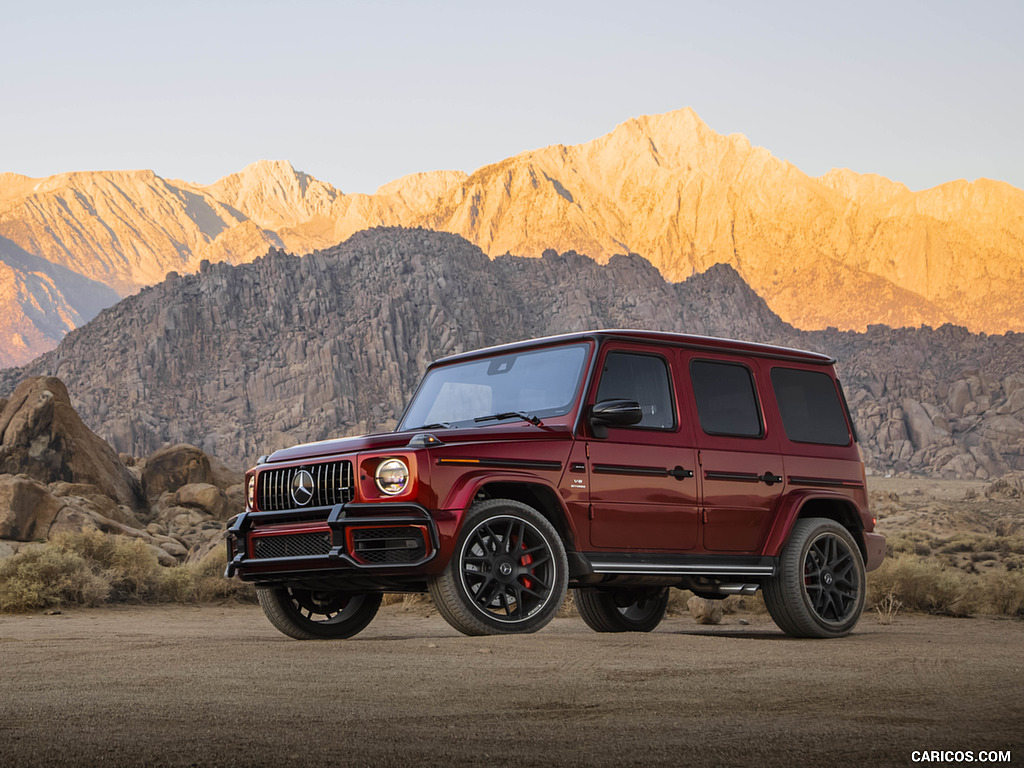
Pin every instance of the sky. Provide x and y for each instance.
(360, 93)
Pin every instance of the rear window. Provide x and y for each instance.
(726, 400)
(810, 407)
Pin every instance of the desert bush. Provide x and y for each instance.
(923, 585)
(1004, 593)
(129, 565)
(208, 582)
(49, 577)
(91, 568)
(887, 608)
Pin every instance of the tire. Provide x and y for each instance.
(508, 574)
(312, 615)
(819, 588)
(622, 610)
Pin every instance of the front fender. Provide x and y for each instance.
(464, 490)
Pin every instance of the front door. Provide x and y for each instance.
(643, 486)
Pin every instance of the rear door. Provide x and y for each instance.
(740, 466)
(643, 488)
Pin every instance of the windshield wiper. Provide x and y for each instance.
(437, 425)
(511, 415)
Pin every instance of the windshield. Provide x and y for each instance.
(539, 383)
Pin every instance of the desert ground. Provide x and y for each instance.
(218, 686)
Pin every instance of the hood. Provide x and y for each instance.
(398, 440)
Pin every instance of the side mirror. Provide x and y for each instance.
(614, 413)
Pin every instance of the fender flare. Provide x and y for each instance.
(460, 497)
(789, 512)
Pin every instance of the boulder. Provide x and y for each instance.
(27, 508)
(93, 498)
(705, 611)
(206, 497)
(169, 468)
(42, 436)
(920, 428)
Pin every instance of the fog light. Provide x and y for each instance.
(392, 476)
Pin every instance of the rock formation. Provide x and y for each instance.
(242, 360)
(843, 250)
(56, 475)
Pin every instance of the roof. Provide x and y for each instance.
(686, 340)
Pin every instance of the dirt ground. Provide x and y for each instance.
(218, 686)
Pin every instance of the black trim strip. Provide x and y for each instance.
(741, 477)
(502, 463)
(625, 469)
(825, 482)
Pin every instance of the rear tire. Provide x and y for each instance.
(622, 610)
(819, 588)
(307, 614)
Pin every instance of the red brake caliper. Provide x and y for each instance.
(526, 560)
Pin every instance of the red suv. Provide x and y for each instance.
(618, 463)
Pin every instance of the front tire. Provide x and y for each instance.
(622, 610)
(508, 574)
(819, 588)
(307, 614)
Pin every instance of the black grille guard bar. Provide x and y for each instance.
(338, 521)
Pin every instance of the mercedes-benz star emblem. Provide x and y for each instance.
(302, 488)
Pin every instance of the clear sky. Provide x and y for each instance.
(360, 93)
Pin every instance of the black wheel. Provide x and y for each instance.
(622, 610)
(307, 614)
(508, 573)
(819, 588)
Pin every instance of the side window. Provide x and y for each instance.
(726, 400)
(810, 407)
(643, 378)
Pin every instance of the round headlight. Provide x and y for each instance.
(392, 476)
(250, 492)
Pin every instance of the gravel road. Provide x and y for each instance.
(218, 686)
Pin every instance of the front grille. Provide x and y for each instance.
(332, 484)
(388, 545)
(292, 545)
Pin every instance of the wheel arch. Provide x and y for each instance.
(538, 495)
(831, 506)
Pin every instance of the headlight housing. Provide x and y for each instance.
(250, 492)
(392, 476)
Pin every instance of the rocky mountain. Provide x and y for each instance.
(40, 302)
(243, 360)
(843, 250)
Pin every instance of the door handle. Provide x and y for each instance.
(769, 479)
(681, 474)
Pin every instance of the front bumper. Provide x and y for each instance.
(356, 537)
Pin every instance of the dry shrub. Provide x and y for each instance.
(208, 582)
(1005, 593)
(129, 565)
(91, 568)
(923, 585)
(49, 577)
(887, 608)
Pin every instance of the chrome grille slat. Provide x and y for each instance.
(274, 486)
